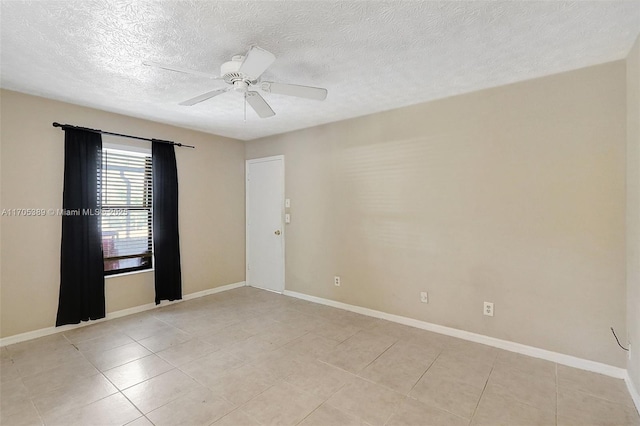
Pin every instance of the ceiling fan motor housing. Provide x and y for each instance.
(230, 74)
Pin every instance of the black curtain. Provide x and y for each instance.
(166, 244)
(81, 263)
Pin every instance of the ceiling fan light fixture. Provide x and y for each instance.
(240, 86)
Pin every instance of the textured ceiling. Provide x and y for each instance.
(371, 56)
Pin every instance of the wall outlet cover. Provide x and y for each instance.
(488, 309)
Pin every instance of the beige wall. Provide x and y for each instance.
(514, 195)
(211, 201)
(633, 211)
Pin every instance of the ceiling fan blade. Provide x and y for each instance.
(308, 92)
(256, 61)
(203, 97)
(180, 69)
(259, 105)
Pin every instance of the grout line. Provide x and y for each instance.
(425, 371)
(483, 389)
(34, 406)
(376, 358)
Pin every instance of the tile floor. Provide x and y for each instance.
(250, 357)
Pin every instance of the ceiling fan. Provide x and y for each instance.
(242, 74)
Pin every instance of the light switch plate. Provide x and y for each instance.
(287, 203)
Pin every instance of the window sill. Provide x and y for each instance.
(124, 274)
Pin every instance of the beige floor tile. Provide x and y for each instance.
(113, 410)
(8, 371)
(309, 322)
(282, 404)
(63, 375)
(204, 324)
(441, 389)
(498, 409)
(88, 332)
(281, 362)
(257, 325)
(237, 418)
(198, 407)
(106, 341)
(575, 406)
(361, 321)
(414, 413)
(321, 311)
(239, 385)
(146, 327)
(226, 337)
(23, 414)
(162, 341)
(534, 366)
(30, 363)
(538, 391)
(140, 421)
(401, 366)
(251, 349)
(160, 390)
(281, 334)
(326, 415)
(595, 384)
(131, 321)
(186, 352)
(134, 372)
(106, 360)
(30, 347)
(312, 344)
(336, 331)
(412, 335)
(319, 378)
(264, 350)
(472, 371)
(565, 421)
(466, 351)
(212, 365)
(13, 396)
(4, 353)
(56, 403)
(358, 351)
(368, 401)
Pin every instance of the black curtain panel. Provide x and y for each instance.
(166, 244)
(81, 263)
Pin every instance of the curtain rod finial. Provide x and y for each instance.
(56, 124)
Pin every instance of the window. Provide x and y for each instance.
(126, 219)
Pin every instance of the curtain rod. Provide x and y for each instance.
(102, 132)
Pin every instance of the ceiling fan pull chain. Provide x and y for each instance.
(245, 107)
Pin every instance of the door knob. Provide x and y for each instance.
(277, 232)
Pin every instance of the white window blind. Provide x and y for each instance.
(126, 190)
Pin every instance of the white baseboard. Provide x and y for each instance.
(635, 394)
(17, 338)
(571, 361)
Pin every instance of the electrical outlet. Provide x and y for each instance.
(424, 297)
(336, 281)
(488, 309)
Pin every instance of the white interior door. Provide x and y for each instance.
(265, 225)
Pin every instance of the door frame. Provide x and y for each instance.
(246, 218)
